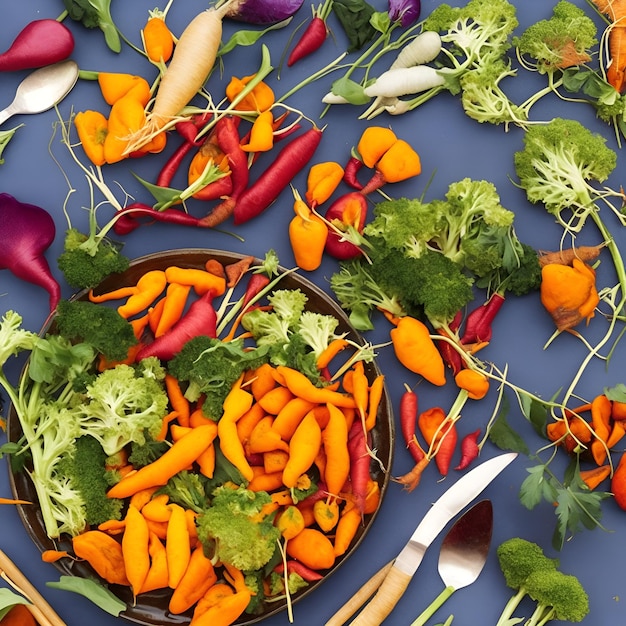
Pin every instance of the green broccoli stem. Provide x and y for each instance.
(433, 607)
(510, 608)
(541, 615)
(618, 261)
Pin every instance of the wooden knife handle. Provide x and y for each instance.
(386, 598)
(359, 598)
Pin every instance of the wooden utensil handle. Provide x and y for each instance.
(386, 598)
(43, 613)
(359, 598)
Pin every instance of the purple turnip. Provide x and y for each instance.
(26, 232)
(264, 11)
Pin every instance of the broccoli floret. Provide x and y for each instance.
(100, 326)
(189, 489)
(95, 14)
(558, 596)
(564, 40)
(358, 292)
(532, 574)
(483, 98)
(407, 225)
(13, 338)
(432, 285)
(86, 469)
(476, 39)
(147, 451)
(234, 531)
(87, 259)
(123, 403)
(293, 336)
(318, 330)
(211, 367)
(559, 161)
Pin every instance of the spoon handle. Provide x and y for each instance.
(432, 608)
(5, 114)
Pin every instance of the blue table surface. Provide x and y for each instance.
(451, 147)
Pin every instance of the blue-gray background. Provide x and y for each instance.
(451, 147)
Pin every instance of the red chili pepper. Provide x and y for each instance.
(348, 210)
(256, 283)
(350, 171)
(168, 171)
(447, 445)
(290, 161)
(227, 138)
(129, 218)
(408, 419)
(451, 356)
(295, 567)
(311, 40)
(469, 449)
(199, 320)
(478, 323)
(188, 129)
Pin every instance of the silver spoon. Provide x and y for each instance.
(463, 554)
(42, 89)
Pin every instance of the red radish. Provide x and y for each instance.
(39, 43)
(290, 160)
(313, 36)
(26, 232)
(200, 320)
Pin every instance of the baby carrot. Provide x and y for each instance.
(135, 549)
(177, 546)
(177, 458)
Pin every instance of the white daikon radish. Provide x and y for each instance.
(405, 81)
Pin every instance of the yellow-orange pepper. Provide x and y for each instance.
(260, 98)
(374, 142)
(92, 128)
(474, 382)
(115, 85)
(322, 181)
(307, 234)
(262, 134)
(415, 349)
(569, 293)
(399, 162)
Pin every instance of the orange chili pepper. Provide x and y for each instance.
(158, 41)
(374, 142)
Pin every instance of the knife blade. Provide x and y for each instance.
(449, 504)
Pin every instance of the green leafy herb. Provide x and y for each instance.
(92, 590)
(355, 16)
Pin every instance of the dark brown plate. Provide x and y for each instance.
(151, 608)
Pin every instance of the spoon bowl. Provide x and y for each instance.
(42, 89)
(463, 554)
